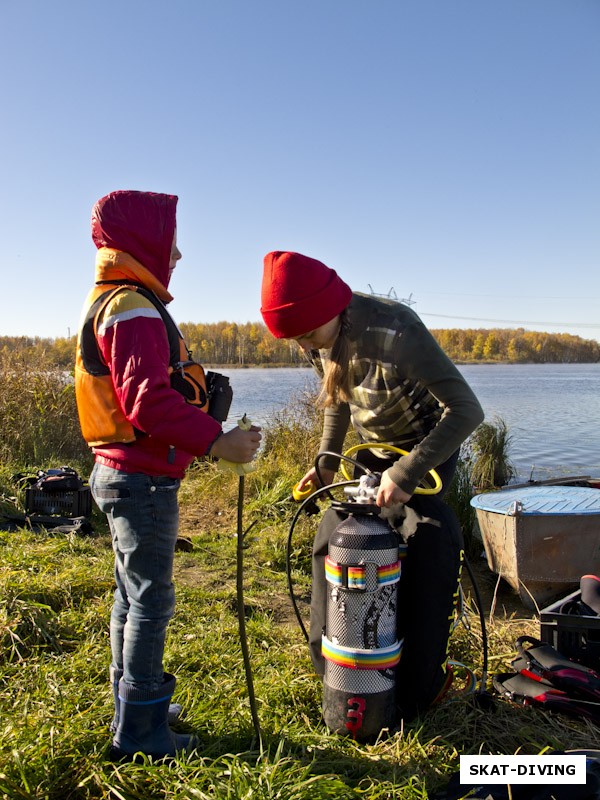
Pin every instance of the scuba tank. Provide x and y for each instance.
(360, 644)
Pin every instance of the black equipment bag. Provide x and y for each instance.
(58, 491)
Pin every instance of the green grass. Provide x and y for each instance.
(56, 702)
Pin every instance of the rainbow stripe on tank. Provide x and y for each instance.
(353, 658)
(354, 576)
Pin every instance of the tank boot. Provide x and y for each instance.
(143, 723)
(175, 709)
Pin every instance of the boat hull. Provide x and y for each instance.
(541, 541)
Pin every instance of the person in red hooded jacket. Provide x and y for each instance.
(143, 410)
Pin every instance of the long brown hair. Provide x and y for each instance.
(336, 383)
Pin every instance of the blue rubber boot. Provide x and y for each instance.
(143, 723)
(175, 710)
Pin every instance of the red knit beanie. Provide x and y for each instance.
(300, 294)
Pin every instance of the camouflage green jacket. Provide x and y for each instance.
(406, 391)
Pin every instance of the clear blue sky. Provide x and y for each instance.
(447, 150)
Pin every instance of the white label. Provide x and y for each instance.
(549, 768)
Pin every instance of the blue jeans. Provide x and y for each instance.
(143, 515)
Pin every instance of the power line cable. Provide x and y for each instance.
(513, 321)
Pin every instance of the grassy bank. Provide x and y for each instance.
(56, 705)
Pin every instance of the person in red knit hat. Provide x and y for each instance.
(383, 372)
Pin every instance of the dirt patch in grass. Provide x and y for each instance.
(203, 518)
(199, 519)
(507, 601)
(187, 572)
(217, 573)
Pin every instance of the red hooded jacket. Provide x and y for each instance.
(134, 233)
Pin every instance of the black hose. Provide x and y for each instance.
(288, 557)
(484, 639)
(242, 613)
(339, 456)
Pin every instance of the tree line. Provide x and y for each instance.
(251, 344)
(516, 346)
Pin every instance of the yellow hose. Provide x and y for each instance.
(366, 446)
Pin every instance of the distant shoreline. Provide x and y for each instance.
(458, 362)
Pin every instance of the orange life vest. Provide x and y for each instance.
(100, 415)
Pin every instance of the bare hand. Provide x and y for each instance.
(389, 493)
(237, 445)
(311, 477)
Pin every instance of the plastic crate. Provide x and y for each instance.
(67, 504)
(575, 636)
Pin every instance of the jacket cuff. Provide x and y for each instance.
(210, 446)
(403, 476)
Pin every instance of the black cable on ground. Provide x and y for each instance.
(482, 691)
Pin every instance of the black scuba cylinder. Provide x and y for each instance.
(360, 643)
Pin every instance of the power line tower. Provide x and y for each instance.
(391, 295)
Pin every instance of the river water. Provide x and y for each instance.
(552, 410)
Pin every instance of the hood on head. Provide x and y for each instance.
(139, 223)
